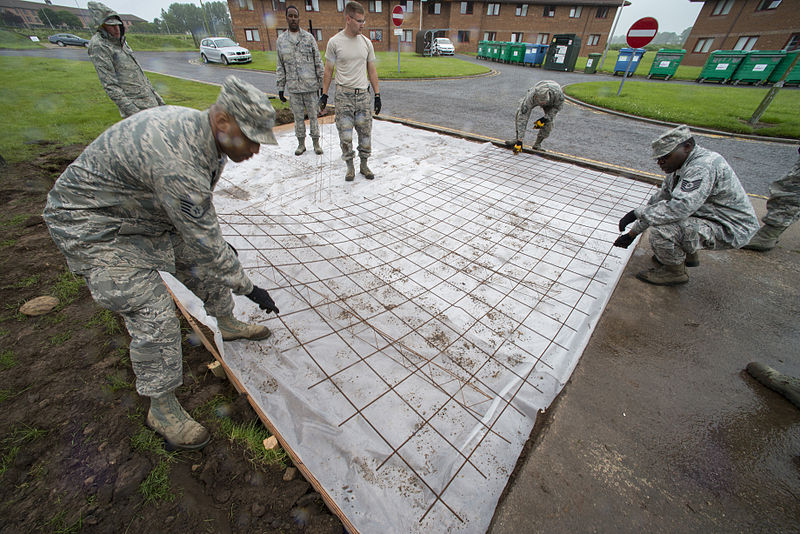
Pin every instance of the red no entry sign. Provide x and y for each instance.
(642, 32)
(397, 15)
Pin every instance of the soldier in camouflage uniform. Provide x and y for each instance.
(701, 205)
(300, 73)
(353, 57)
(119, 72)
(546, 94)
(783, 208)
(137, 201)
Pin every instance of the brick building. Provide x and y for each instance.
(743, 25)
(29, 13)
(257, 23)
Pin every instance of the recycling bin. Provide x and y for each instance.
(666, 63)
(757, 66)
(592, 62)
(720, 65)
(516, 52)
(505, 51)
(793, 77)
(483, 46)
(562, 52)
(628, 55)
(534, 54)
(494, 50)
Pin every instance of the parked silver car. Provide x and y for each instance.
(223, 50)
(64, 39)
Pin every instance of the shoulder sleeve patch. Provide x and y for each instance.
(688, 187)
(195, 211)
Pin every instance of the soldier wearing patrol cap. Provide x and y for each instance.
(701, 205)
(138, 200)
(546, 94)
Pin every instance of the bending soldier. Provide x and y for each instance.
(546, 94)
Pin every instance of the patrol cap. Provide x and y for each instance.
(251, 109)
(113, 21)
(666, 142)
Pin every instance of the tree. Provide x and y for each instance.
(180, 18)
(68, 19)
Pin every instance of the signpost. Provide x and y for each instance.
(640, 34)
(398, 14)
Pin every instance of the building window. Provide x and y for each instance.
(489, 36)
(522, 10)
(409, 6)
(544, 38)
(406, 36)
(466, 8)
(549, 11)
(492, 9)
(434, 8)
(241, 4)
(746, 42)
(317, 34)
(768, 4)
(794, 43)
(311, 5)
(516, 37)
(703, 45)
(376, 35)
(463, 36)
(251, 35)
(722, 7)
(575, 12)
(375, 6)
(339, 5)
(602, 13)
(593, 39)
(250, 5)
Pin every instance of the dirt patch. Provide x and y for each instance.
(74, 452)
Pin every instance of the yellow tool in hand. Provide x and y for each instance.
(517, 147)
(540, 122)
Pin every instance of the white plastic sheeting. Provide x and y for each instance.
(426, 317)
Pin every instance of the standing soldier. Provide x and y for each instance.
(354, 58)
(546, 94)
(118, 70)
(137, 201)
(783, 208)
(300, 73)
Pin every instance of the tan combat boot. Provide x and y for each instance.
(351, 171)
(368, 174)
(232, 328)
(317, 147)
(788, 386)
(168, 418)
(765, 239)
(665, 275)
(301, 147)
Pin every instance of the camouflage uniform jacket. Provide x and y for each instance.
(705, 187)
(143, 179)
(119, 72)
(546, 94)
(299, 67)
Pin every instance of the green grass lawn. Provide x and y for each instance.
(11, 39)
(18, 39)
(63, 102)
(721, 108)
(411, 65)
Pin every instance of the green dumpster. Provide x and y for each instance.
(757, 66)
(505, 52)
(794, 75)
(516, 52)
(481, 49)
(592, 62)
(720, 65)
(494, 50)
(666, 63)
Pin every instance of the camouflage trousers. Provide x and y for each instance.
(141, 298)
(521, 122)
(302, 104)
(671, 242)
(354, 110)
(783, 206)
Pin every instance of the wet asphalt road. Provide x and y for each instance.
(486, 106)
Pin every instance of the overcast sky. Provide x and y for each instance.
(672, 15)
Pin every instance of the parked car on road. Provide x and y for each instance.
(64, 39)
(442, 46)
(223, 50)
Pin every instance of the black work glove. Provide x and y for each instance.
(540, 122)
(236, 252)
(323, 101)
(377, 103)
(624, 241)
(262, 298)
(280, 95)
(626, 220)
